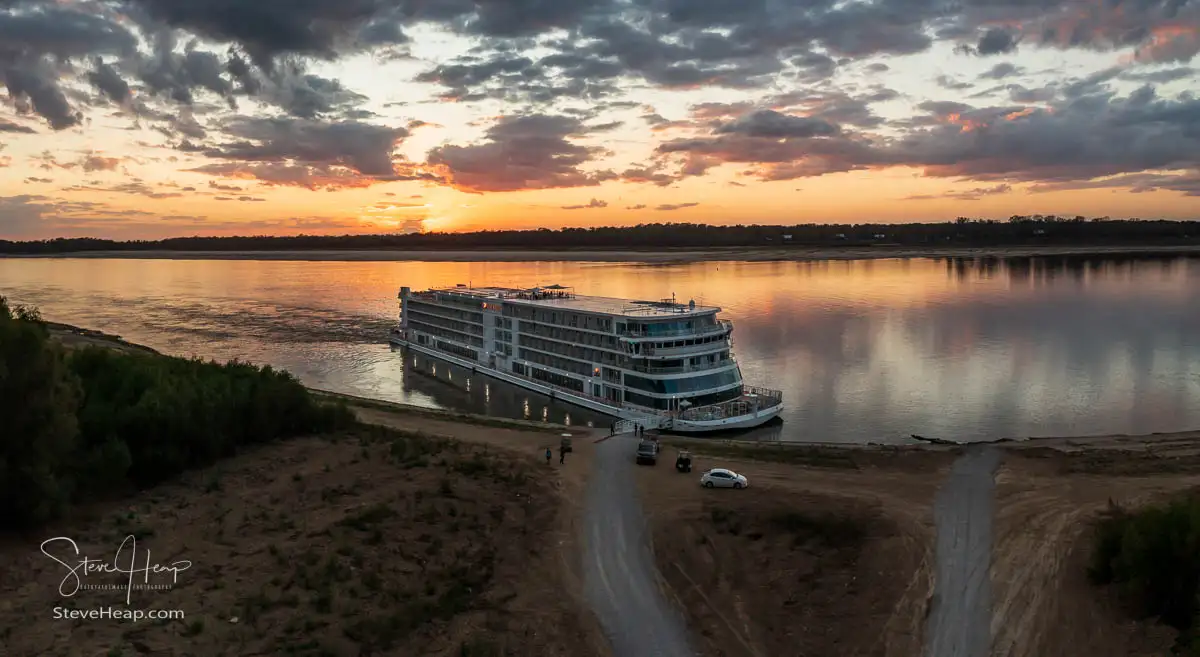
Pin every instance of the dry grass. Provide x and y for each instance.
(375, 542)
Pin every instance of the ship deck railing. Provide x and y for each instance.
(681, 369)
(752, 400)
(648, 350)
(721, 326)
(572, 391)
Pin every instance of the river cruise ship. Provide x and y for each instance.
(659, 364)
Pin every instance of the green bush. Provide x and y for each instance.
(94, 420)
(38, 429)
(1153, 556)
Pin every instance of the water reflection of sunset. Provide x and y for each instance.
(864, 350)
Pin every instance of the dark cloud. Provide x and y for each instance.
(135, 187)
(266, 28)
(21, 216)
(36, 43)
(781, 146)
(1082, 132)
(362, 147)
(513, 77)
(773, 125)
(306, 95)
(967, 195)
(837, 107)
(182, 67)
(89, 162)
(314, 177)
(106, 78)
(996, 41)
(1089, 133)
(1163, 76)
(36, 84)
(639, 206)
(1027, 96)
(947, 82)
(1001, 71)
(711, 110)
(519, 153)
(62, 30)
(594, 203)
(681, 43)
(1187, 183)
(667, 207)
(93, 162)
(308, 153)
(652, 174)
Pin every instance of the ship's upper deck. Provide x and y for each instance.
(564, 298)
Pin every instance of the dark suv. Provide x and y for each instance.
(647, 452)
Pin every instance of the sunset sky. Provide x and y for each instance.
(154, 118)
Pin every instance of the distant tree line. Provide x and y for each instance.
(91, 421)
(1018, 230)
(1152, 556)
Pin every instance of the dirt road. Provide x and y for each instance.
(960, 621)
(621, 579)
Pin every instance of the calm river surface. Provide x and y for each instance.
(863, 350)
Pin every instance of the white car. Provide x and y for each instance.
(722, 478)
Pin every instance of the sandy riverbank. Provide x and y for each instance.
(645, 255)
(442, 538)
(832, 548)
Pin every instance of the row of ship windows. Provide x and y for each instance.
(431, 310)
(470, 308)
(575, 320)
(664, 328)
(659, 386)
(569, 351)
(445, 333)
(569, 335)
(435, 320)
(617, 395)
(435, 309)
(671, 344)
(683, 385)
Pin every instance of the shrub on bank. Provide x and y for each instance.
(1153, 557)
(94, 420)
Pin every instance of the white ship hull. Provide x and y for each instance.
(647, 419)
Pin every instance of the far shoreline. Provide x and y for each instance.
(658, 256)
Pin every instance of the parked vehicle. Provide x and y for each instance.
(683, 462)
(722, 478)
(647, 452)
(564, 445)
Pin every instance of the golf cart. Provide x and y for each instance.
(683, 462)
(564, 445)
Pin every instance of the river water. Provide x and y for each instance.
(869, 350)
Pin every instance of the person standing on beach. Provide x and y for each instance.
(549, 454)
(562, 455)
